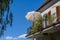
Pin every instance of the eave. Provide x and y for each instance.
(46, 5)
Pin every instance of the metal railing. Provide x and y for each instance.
(32, 30)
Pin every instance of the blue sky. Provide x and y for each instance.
(19, 9)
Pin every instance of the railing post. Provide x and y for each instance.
(34, 39)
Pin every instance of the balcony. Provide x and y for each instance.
(51, 22)
(38, 31)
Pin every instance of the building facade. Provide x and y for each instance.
(50, 11)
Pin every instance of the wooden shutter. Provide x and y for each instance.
(49, 13)
(58, 13)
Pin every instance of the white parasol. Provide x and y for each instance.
(32, 16)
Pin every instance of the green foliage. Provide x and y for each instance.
(37, 26)
(50, 19)
(5, 7)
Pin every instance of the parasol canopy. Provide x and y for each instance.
(32, 16)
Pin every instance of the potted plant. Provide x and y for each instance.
(50, 19)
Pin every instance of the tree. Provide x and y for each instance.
(5, 15)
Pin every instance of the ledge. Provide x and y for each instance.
(51, 29)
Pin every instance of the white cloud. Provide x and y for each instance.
(9, 37)
(14, 38)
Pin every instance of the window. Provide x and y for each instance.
(49, 18)
(45, 21)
